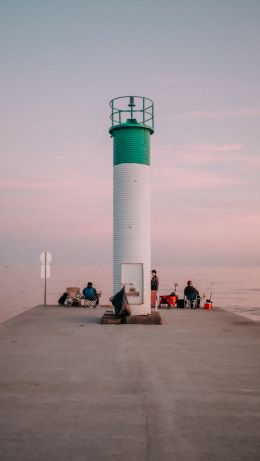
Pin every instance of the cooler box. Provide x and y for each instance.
(170, 301)
(208, 305)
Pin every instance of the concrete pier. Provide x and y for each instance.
(75, 390)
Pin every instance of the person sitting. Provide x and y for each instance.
(90, 294)
(192, 295)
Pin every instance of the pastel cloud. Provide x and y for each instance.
(218, 148)
(22, 185)
(79, 182)
(177, 178)
(79, 207)
(192, 150)
(195, 155)
(48, 185)
(212, 237)
(219, 114)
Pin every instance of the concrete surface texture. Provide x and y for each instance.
(73, 389)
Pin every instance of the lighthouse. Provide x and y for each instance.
(132, 120)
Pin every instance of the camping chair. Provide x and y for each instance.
(191, 302)
(74, 296)
(89, 303)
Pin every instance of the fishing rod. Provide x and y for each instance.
(211, 290)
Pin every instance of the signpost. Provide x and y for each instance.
(45, 259)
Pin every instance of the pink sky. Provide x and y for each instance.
(62, 65)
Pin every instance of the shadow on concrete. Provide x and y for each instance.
(75, 315)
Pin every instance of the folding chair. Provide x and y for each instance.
(74, 296)
(191, 302)
(89, 303)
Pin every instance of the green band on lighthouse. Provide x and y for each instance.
(131, 143)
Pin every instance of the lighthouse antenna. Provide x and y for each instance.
(131, 105)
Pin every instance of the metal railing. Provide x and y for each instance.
(136, 108)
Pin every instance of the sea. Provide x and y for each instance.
(235, 289)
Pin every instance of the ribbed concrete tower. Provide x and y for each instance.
(132, 125)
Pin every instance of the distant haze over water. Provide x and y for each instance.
(233, 288)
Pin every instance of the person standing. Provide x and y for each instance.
(154, 281)
(154, 288)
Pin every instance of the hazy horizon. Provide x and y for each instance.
(62, 62)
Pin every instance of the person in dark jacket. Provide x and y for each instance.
(192, 294)
(154, 288)
(154, 281)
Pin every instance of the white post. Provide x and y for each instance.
(45, 259)
(45, 277)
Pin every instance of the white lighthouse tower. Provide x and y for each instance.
(132, 124)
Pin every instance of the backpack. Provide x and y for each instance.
(120, 303)
(63, 298)
(180, 303)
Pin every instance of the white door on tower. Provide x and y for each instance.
(132, 276)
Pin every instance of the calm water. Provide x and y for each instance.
(235, 289)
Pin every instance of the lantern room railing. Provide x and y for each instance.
(136, 108)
